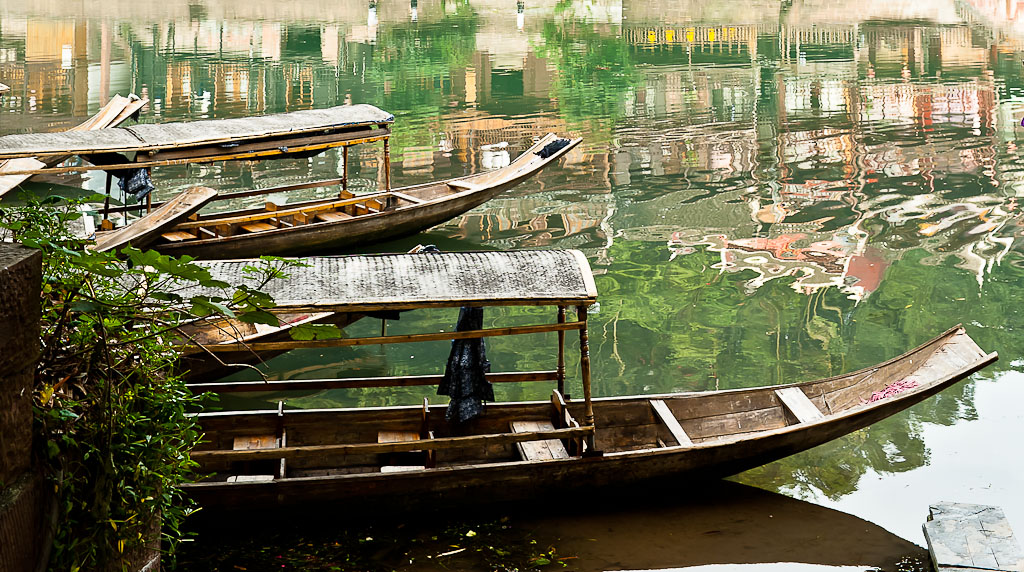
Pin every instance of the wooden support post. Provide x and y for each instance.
(561, 352)
(387, 171)
(588, 415)
(149, 196)
(344, 168)
(106, 200)
(383, 327)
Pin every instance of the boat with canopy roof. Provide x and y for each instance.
(340, 221)
(515, 450)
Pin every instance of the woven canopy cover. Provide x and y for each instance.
(192, 133)
(405, 281)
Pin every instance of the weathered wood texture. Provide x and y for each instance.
(538, 450)
(143, 231)
(406, 281)
(967, 537)
(315, 226)
(23, 497)
(20, 276)
(115, 112)
(671, 423)
(192, 133)
(799, 405)
(335, 457)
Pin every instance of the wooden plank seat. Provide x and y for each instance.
(250, 478)
(546, 449)
(419, 459)
(262, 441)
(307, 210)
(250, 442)
(257, 227)
(408, 198)
(796, 401)
(178, 236)
(461, 186)
(667, 418)
(332, 216)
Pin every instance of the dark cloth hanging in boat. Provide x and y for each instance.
(552, 148)
(465, 378)
(135, 182)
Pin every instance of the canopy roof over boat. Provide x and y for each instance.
(409, 281)
(197, 134)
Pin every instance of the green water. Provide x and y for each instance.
(768, 192)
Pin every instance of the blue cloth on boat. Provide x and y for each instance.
(552, 148)
(135, 182)
(465, 379)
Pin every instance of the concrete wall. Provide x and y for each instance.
(23, 497)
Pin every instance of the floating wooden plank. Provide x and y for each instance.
(969, 537)
(670, 421)
(178, 236)
(538, 450)
(400, 281)
(145, 230)
(4, 88)
(401, 468)
(257, 227)
(465, 186)
(798, 404)
(332, 216)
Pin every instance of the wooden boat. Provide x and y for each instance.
(152, 145)
(125, 151)
(301, 227)
(114, 113)
(199, 363)
(521, 450)
(348, 220)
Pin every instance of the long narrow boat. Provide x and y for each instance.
(350, 220)
(343, 221)
(361, 456)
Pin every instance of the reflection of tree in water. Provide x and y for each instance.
(596, 70)
(893, 445)
(690, 327)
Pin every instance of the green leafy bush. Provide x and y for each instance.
(112, 422)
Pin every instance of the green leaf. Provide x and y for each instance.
(259, 317)
(85, 306)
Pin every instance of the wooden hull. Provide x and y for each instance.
(437, 207)
(204, 365)
(731, 431)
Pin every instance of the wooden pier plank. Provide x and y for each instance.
(971, 537)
